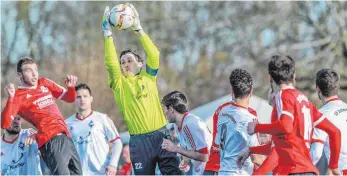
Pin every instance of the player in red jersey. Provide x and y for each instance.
(35, 102)
(293, 119)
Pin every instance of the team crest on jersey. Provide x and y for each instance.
(21, 145)
(91, 124)
(43, 89)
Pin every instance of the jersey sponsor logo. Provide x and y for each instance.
(44, 101)
(15, 164)
(229, 116)
(301, 98)
(7, 168)
(86, 138)
(141, 93)
(337, 112)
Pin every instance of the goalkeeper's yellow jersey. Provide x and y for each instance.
(136, 96)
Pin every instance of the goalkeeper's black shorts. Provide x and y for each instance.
(146, 153)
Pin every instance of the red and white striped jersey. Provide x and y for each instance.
(194, 135)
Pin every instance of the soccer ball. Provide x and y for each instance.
(122, 16)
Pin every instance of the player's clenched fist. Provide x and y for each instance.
(70, 80)
(10, 90)
(169, 146)
(251, 127)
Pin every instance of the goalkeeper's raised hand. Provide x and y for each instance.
(136, 26)
(105, 24)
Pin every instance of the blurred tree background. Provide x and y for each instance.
(200, 43)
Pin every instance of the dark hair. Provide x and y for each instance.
(241, 82)
(83, 86)
(327, 80)
(137, 56)
(281, 69)
(177, 100)
(23, 61)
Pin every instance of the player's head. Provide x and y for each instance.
(84, 97)
(131, 62)
(27, 71)
(126, 153)
(241, 83)
(174, 103)
(282, 69)
(327, 82)
(15, 126)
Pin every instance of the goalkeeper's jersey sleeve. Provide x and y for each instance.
(136, 96)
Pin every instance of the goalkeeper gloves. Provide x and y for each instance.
(105, 24)
(136, 26)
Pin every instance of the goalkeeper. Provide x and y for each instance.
(137, 98)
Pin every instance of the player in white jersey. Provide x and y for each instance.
(195, 138)
(232, 135)
(17, 158)
(327, 83)
(93, 133)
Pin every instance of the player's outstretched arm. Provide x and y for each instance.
(153, 54)
(282, 126)
(70, 95)
(334, 141)
(60, 92)
(111, 58)
(11, 109)
(152, 63)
